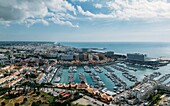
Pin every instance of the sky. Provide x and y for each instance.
(85, 20)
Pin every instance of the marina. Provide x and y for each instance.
(85, 53)
(112, 79)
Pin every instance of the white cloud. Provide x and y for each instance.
(146, 10)
(61, 22)
(89, 14)
(82, 0)
(30, 12)
(30, 22)
(62, 12)
(140, 9)
(98, 5)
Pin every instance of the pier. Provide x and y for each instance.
(57, 74)
(108, 69)
(168, 84)
(151, 76)
(127, 68)
(97, 80)
(119, 68)
(52, 74)
(119, 84)
(163, 78)
(130, 77)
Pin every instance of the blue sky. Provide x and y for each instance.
(85, 20)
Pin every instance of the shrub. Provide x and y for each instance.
(25, 99)
(2, 103)
(16, 104)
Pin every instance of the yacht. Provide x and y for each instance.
(97, 69)
(87, 69)
(57, 79)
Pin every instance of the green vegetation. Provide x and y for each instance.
(154, 99)
(30, 99)
(37, 98)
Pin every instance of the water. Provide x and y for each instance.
(151, 49)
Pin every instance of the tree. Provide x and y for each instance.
(34, 104)
(76, 94)
(38, 93)
(16, 104)
(3, 104)
(25, 99)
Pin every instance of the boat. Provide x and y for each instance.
(57, 79)
(87, 69)
(115, 88)
(82, 77)
(130, 77)
(72, 69)
(97, 69)
(70, 78)
(101, 84)
(108, 69)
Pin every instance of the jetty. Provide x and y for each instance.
(130, 77)
(108, 69)
(163, 78)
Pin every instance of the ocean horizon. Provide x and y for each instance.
(152, 49)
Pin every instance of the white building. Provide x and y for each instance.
(2, 56)
(90, 56)
(144, 90)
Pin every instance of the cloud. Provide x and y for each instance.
(63, 12)
(29, 22)
(98, 5)
(60, 22)
(89, 14)
(82, 0)
(140, 9)
(30, 12)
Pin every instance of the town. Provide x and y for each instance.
(48, 73)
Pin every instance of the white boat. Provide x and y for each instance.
(57, 79)
(72, 69)
(97, 69)
(87, 69)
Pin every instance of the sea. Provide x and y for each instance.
(152, 49)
